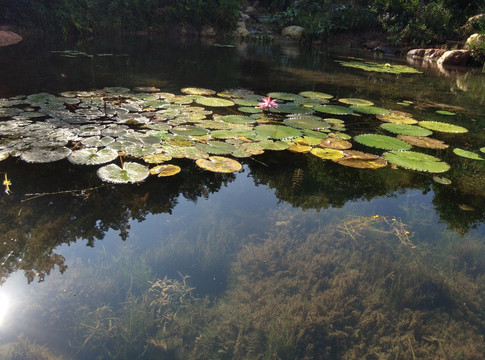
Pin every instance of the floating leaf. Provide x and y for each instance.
(4, 155)
(397, 117)
(441, 180)
(277, 131)
(130, 173)
(45, 155)
(250, 109)
(285, 96)
(292, 108)
(92, 156)
(467, 154)
(274, 145)
(189, 131)
(327, 153)
(482, 149)
(316, 95)
(356, 102)
(219, 164)
(361, 160)
(333, 109)
(216, 147)
(335, 143)
(404, 129)
(442, 127)
(371, 110)
(238, 119)
(232, 133)
(382, 142)
(299, 148)
(197, 91)
(165, 170)
(214, 102)
(416, 161)
(157, 158)
(445, 112)
(379, 67)
(314, 123)
(423, 141)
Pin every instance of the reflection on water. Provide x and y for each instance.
(291, 258)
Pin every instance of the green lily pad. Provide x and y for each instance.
(238, 119)
(441, 180)
(445, 112)
(130, 173)
(285, 96)
(311, 123)
(189, 131)
(416, 161)
(232, 133)
(216, 147)
(467, 154)
(274, 145)
(157, 158)
(382, 142)
(219, 164)
(92, 156)
(214, 102)
(333, 109)
(249, 109)
(277, 131)
(246, 102)
(370, 110)
(316, 95)
(442, 127)
(379, 67)
(45, 155)
(315, 134)
(292, 108)
(482, 149)
(397, 117)
(356, 102)
(403, 129)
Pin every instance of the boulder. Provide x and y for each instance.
(475, 41)
(207, 31)
(293, 32)
(425, 54)
(9, 38)
(454, 57)
(474, 24)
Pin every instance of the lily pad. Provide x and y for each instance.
(198, 91)
(219, 164)
(299, 148)
(356, 102)
(404, 129)
(45, 155)
(361, 160)
(423, 141)
(232, 133)
(416, 161)
(157, 158)
(333, 109)
(165, 170)
(316, 95)
(238, 119)
(285, 96)
(274, 145)
(335, 143)
(371, 110)
(441, 180)
(130, 173)
(216, 147)
(311, 123)
(327, 153)
(467, 154)
(189, 130)
(382, 142)
(397, 117)
(379, 67)
(277, 131)
(214, 102)
(92, 156)
(445, 112)
(442, 127)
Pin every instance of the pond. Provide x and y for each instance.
(348, 222)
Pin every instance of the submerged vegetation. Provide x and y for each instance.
(365, 287)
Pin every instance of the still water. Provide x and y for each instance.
(292, 257)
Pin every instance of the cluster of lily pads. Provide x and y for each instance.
(146, 128)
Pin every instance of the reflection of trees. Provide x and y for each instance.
(31, 227)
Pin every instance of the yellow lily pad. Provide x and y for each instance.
(165, 170)
(219, 164)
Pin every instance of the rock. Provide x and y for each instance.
(475, 41)
(293, 32)
(425, 54)
(9, 38)
(474, 24)
(207, 31)
(454, 57)
(241, 32)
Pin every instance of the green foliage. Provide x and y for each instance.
(84, 17)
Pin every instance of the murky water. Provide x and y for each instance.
(293, 257)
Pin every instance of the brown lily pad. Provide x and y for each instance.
(335, 143)
(423, 141)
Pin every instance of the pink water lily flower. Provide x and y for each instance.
(267, 103)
